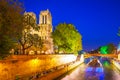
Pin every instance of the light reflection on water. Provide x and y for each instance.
(107, 72)
(88, 73)
(93, 73)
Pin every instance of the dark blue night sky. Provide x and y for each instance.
(97, 20)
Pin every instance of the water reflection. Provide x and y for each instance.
(77, 74)
(94, 73)
(94, 70)
(84, 72)
(106, 63)
(87, 60)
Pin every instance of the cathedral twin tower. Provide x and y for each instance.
(45, 25)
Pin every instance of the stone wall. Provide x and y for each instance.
(20, 65)
(118, 56)
(116, 62)
(58, 73)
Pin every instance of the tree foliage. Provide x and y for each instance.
(67, 38)
(10, 23)
(111, 48)
(108, 49)
(29, 39)
(104, 50)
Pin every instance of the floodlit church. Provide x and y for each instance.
(45, 29)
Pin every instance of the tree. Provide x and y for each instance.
(67, 38)
(10, 24)
(108, 49)
(111, 48)
(104, 50)
(28, 37)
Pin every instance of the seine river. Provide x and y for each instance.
(84, 72)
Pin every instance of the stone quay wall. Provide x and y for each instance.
(116, 62)
(20, 65)
(54, 75)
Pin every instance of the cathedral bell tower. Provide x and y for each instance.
(45, 18)
(45, 24)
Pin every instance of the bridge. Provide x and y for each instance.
(101, 55)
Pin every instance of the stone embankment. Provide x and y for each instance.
(58, 72)
(116, 62)
(21, 66)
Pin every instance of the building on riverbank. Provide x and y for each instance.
(45, 30)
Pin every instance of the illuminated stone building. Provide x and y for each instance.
(45, 24)
(45, 29)
(31, 14)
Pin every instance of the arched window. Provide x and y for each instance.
(45, 19)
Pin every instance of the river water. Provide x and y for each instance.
(84, 72)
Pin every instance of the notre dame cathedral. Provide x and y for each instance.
(45, 29)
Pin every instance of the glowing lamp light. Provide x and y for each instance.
(34, 61)
(99, 69)
(89, 69)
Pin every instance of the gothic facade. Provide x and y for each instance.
(45, 29)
